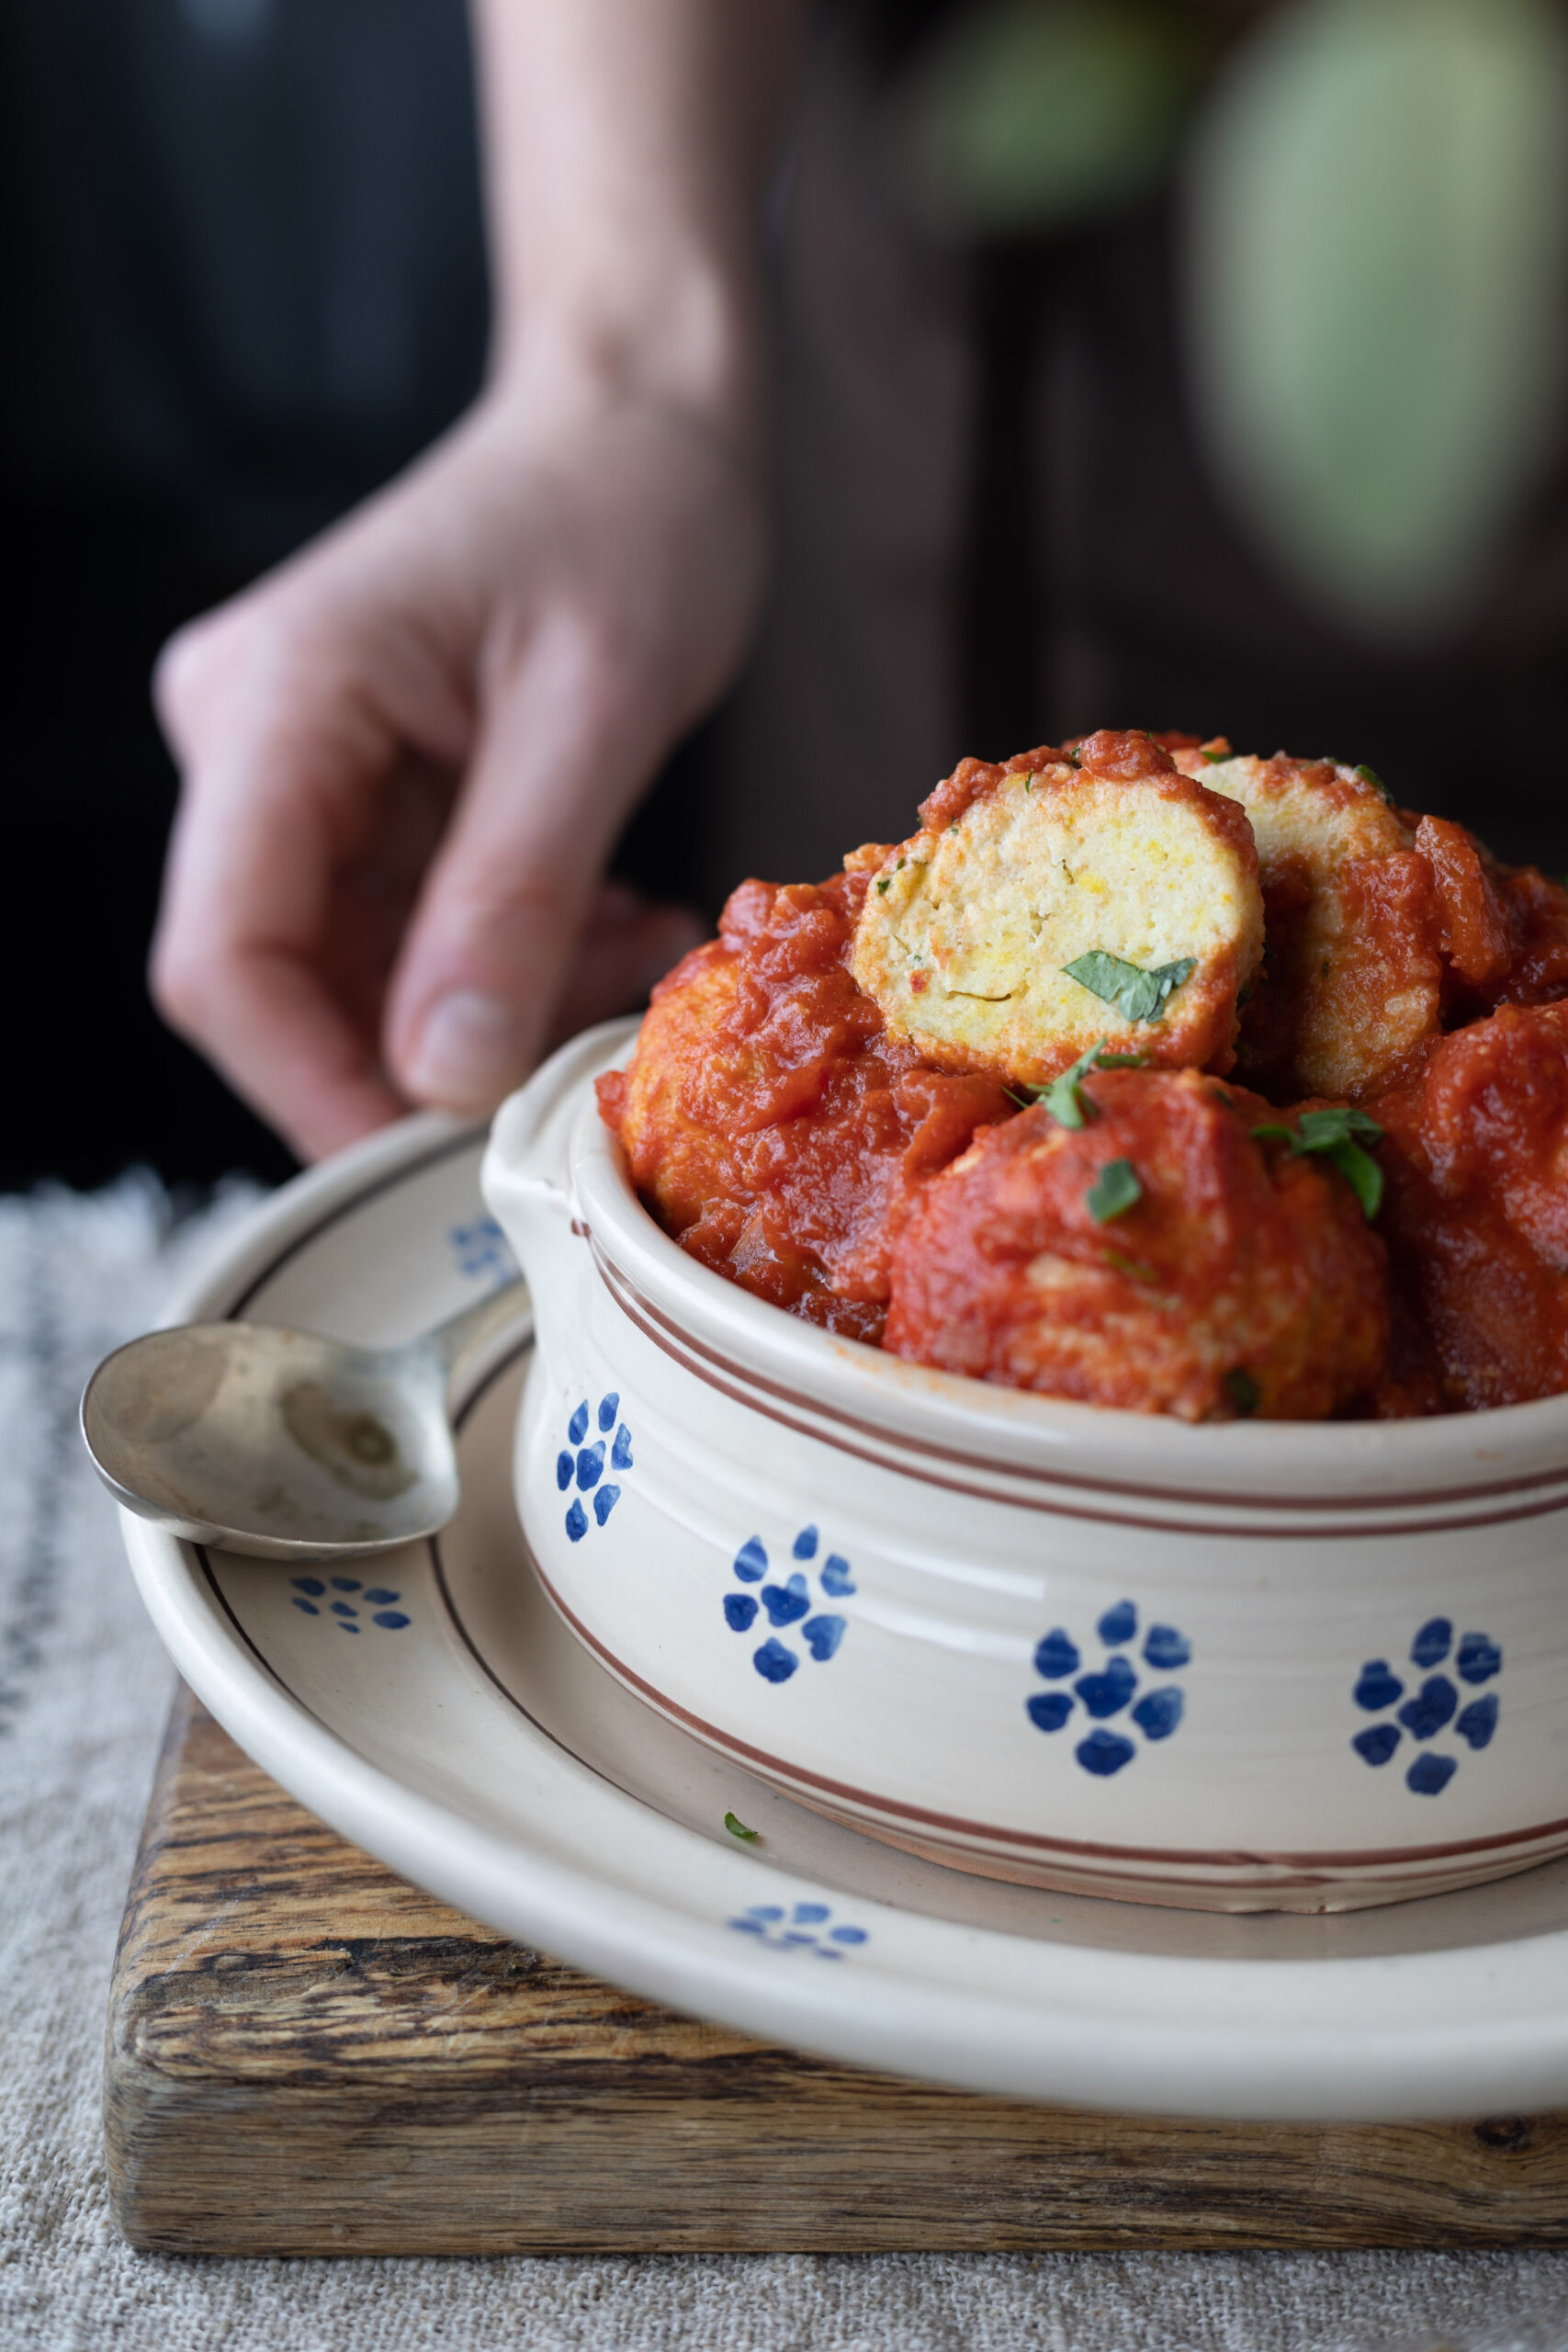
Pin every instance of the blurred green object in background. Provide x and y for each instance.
(1377, 290)
(1031, 113)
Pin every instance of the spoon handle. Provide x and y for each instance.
(465, 1335)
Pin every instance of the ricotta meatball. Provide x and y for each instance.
(1537, 912)
(1352, 978)
(1156, 1257)
(1060, 900)
(1503, 928)
(769, 1123)
(1476, 1153)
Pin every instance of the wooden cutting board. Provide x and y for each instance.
(307, 2056)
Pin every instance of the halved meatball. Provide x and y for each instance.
(1352, 976)
(1158, 1257)
(1060, 900)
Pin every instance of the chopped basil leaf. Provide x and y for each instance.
(1216, 759)
(1134, 1268)
(1320, 1130)
(1243, 1390)
(1114, 1191)
(1370, 775)
(885, 883)
(1062, 1097)
(1137, 994)
(1362, 1174)
(1333, 1133)
(738, 1828)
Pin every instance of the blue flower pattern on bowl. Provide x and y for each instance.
(786, 1602)
(348, 1604)
(1110, 1690)
(582, 1461)
(1433, 1708)
(801, 1926)
(481, 1249)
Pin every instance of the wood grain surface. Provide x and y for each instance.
(307, 2056)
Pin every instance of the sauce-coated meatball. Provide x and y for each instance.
(1157, 1258)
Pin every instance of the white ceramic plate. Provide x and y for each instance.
(437, 1713)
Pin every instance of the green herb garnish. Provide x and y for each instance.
(1370, 775)
(1134, 1268)
(1243, 1390)
(1114, 1191)
(738, 1828)
(1062, 1098)
(1339, 1133)
(1137, 994)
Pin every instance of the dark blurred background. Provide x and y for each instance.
(242, 264)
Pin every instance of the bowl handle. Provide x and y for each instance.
(526, 1175)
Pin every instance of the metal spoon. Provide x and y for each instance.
(251, 1438)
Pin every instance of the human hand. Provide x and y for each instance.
(408, 752)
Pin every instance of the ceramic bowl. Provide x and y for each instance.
(1249, 1666)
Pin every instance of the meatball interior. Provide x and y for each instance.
(1351, 985)
(1055, 902)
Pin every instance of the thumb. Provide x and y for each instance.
(568, 741)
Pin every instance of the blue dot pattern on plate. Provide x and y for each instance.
(481, 1249)
(598, 1441)
(348, 1604)
(1108, 1699)
(800, 1926)
(1428, 1705)
(785, 1602)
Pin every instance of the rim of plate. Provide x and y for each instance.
(1467, 2031)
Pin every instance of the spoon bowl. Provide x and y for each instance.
(249, 1437)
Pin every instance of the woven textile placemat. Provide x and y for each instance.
(85, 1690)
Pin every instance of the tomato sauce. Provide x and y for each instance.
(1475, 1154)
(776, 1129)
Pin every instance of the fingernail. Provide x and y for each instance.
(468, 1054)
